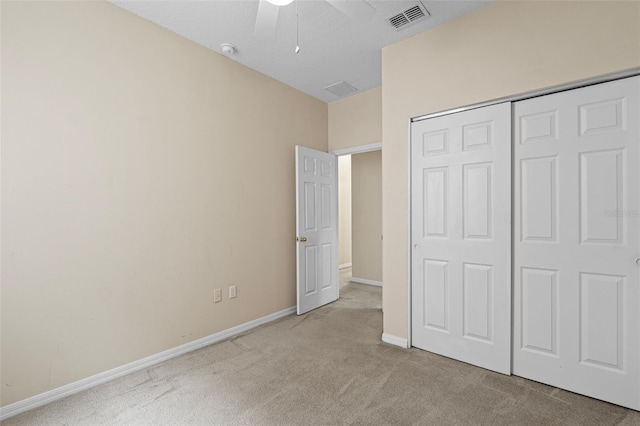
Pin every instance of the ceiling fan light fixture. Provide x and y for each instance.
(280, 2)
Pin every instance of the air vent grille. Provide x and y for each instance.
(341, 88)
(408, 16)
(414, 13)
(399, 20)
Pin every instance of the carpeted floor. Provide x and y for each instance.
(328, 367)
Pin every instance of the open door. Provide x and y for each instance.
(316, 228)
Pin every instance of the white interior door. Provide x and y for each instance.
(317, 228)
(577, 235)
(461, 236)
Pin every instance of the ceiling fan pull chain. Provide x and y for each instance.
(297, 30)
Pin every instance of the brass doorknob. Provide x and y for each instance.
(302, 239)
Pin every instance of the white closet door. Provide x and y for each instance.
(461, 236)
(577, 235)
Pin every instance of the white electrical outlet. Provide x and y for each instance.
(232, 292)
(217, 295)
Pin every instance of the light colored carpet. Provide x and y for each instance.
(327, 367)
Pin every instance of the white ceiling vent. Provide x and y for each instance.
(341, 88)
(408, 16)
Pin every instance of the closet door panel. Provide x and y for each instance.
(461, 204)
(576, 240)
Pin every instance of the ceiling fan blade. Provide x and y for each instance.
(355, 9)
(266, 19)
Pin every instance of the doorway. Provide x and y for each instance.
(318, 224)
(360, 217)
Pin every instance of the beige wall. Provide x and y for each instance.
(140, 171)
(366, 184)
(505, 48)
(344, 210)
(356, 120)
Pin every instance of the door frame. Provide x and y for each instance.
(513, 98)
(376, 146)
(360, 149)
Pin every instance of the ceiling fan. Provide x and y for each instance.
(267, 17)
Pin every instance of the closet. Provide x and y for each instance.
(525, 238)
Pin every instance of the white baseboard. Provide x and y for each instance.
(394, 340)
(89, 382)
(345, 265)
(366, 281)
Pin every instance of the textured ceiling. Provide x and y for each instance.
(333, 46)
